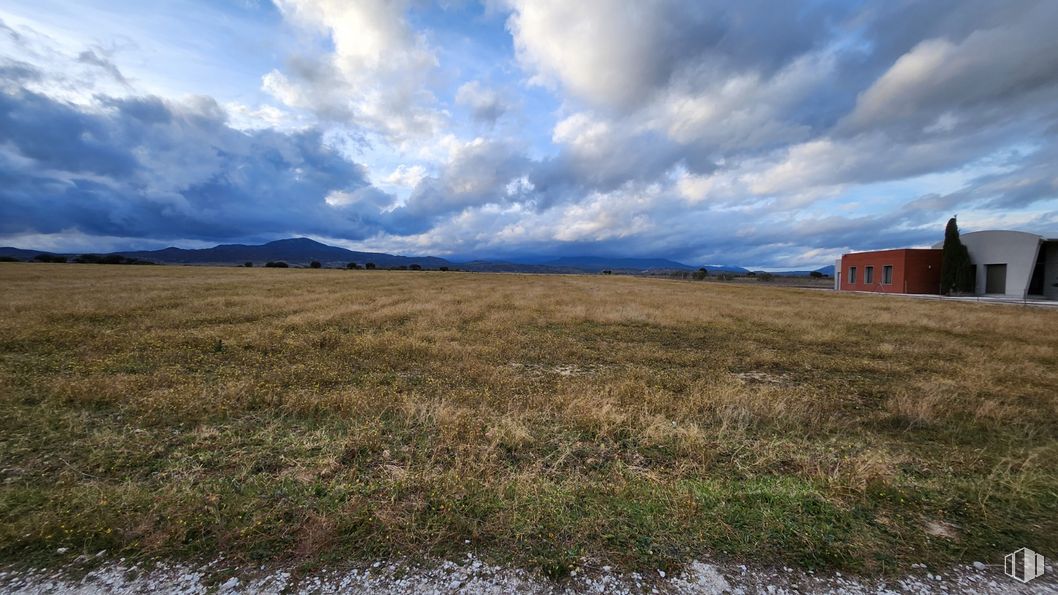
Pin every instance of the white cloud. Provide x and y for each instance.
(373, 78)
(585, 134)
(519, 186)
(995, 73)
(696, 188)
(605, 216)
(485, 104)
(370, 197)
(607, 52)
(746, 110)
(245, 117)
(406, 176)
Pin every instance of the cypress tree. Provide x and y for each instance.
(955, 262)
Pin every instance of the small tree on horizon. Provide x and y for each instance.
(315, 264)
(955, 262)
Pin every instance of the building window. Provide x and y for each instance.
(887, 274)
(868, 275)
(852, 275)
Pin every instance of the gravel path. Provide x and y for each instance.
(473, 576)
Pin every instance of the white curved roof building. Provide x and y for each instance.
(1013, 263)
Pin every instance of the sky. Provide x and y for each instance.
(758, 133)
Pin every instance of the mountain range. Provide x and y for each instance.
(302, 251)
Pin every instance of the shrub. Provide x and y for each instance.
(276, 264)
(9, 259)
(315, 264)
(49, 258)
(607, 272)
(700, 274)
(370, 266)
(248, 264)
(765, 277)
(352, 266)
(415, 267)
(955, 262)
(443, 269)
(108, 259)
(816, 275)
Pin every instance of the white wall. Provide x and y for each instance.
(1016, 249)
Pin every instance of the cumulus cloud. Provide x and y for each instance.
(372, 78)
(477, 173)
(406, 176)
(485, 104)
(150, 168)
(993, 74)
(614, 54)
(756, 133)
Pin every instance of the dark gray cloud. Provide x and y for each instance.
(144, 167)
(17, 73)
(618, 58)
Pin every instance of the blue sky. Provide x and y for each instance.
(758, 133)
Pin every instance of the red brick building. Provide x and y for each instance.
(907, 270)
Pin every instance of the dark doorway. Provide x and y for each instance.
(995, 278)
(1036, 283)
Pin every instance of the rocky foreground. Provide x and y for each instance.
(473, 576)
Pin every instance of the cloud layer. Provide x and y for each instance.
(759, 134)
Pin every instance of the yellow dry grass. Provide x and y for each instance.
(313, 413)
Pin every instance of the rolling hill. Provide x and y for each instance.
(293, 251)
(302, 251)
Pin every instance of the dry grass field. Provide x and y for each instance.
(308, 416)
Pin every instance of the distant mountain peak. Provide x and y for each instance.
(297, 242)
(597, 263)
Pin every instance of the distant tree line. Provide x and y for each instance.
(703, 274)
(353, 266)
(83, 259)
(109, 259)
(49, 258)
